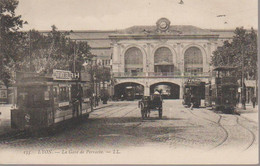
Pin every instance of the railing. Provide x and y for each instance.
(161, 74)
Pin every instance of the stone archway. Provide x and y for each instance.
(128, 91)
(168, 90)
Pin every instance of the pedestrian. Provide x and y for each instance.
(253, 101)
(243, 102)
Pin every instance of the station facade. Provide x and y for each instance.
(161, 56)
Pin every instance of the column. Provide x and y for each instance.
(115, 58)
(208, 57)
(180, 58)
(148, 59)
(151, 58)
(146, 89)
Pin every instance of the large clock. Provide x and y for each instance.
(163, 24)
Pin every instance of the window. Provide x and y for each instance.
(193, 60)
(163, 55)
(133, 59)
(64, 94)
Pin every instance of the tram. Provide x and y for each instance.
(222, 91)
(44, 101)
(130, 93)
(192, 93)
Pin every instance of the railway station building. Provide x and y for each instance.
(160, 56)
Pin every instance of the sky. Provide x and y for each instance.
(120, 14)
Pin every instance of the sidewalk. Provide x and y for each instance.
(5, 118)
(250, 113)
(101, 105)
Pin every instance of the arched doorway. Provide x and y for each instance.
(193, 61)
(129, 91)
(133, 61)
(163, 61)
(168, 90)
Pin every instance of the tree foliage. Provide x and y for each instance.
(53, 50)
(242, 49)
(10, 43)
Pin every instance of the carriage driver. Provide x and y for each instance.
(157, 97)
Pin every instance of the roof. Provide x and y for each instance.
(225, 68)
(175, 29)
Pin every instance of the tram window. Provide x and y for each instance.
(55, 92)
(64, 94)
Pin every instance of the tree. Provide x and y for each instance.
(10, 39)
(53, 50)
(242, 49)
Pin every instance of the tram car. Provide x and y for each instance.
(44, 101)
(130, 93)
(222, 91)
(192, 93)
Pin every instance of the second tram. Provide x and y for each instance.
(192, 93)
(222, 91)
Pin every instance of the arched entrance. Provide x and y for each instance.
(193, 61)
(129, 91)
(163, 61)
(133, 61)
(168, 90)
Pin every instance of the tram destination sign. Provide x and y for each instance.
(64, 75)
(61, 75)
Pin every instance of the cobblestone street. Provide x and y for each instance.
(120, 129)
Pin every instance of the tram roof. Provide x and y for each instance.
(33, 78)
(224, 68)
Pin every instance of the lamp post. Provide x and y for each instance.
(243, 98)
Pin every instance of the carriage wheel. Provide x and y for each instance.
(142, 112)
(160, 113)
(146, 113)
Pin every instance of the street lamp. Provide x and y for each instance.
(243, 98)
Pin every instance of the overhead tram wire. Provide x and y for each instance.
(227, 14)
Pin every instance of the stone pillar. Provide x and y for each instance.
(145, 60)
(208, 57)
(180, 58)
(146, 89)
(121, 59)
(181, 91)
(148, 59)
(151, 58)
(115, 58)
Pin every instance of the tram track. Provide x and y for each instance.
(109, 111)
(218, 124)
(251, 132)
(253, 137)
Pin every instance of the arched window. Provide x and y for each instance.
(163, 55)
(133, 60)
(193, 60)
(163, 61)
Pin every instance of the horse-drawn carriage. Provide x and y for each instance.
(150, 103)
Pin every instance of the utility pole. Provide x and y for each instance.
(243, 99)
(74, 67)
(30, 53)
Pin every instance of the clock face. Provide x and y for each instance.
(163, 25)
